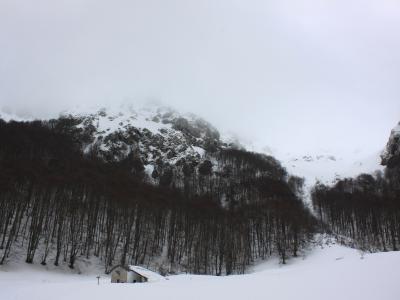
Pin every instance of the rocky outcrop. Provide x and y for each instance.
(174, 150)
(156, 135)
(391, 155)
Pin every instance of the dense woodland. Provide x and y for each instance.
(59, 203)
(365, 209)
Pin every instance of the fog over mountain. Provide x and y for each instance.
(200, 149)
(298, 76)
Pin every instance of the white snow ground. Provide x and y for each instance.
(332, 272)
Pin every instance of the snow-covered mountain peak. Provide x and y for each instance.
(156, 135)
(153, 118)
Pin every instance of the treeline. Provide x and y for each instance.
(59, 203)
(229, 176)
(365, 209)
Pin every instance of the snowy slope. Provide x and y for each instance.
(321, 165)
(332, 272)
(158, 132)
(328, 168)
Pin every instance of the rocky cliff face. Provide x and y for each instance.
(174, 150)
(157, 136)
(391, 155)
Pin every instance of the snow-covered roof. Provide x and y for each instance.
(150, 275)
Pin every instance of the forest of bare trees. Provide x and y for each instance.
(365, 209)
(59, 204)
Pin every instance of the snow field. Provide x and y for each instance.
(330, 273)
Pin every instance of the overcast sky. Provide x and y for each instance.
(301, 75)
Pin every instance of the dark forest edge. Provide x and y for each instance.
(212, 215)
(365, 209)
(59, 203)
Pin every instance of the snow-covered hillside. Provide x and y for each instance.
(162, 133)
(321, 165)
(156, 133)
(327, 168)
(328, 272)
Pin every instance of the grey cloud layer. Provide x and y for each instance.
(290, 74)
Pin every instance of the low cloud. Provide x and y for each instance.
(296, 75)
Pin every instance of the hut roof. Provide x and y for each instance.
(150, 275)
